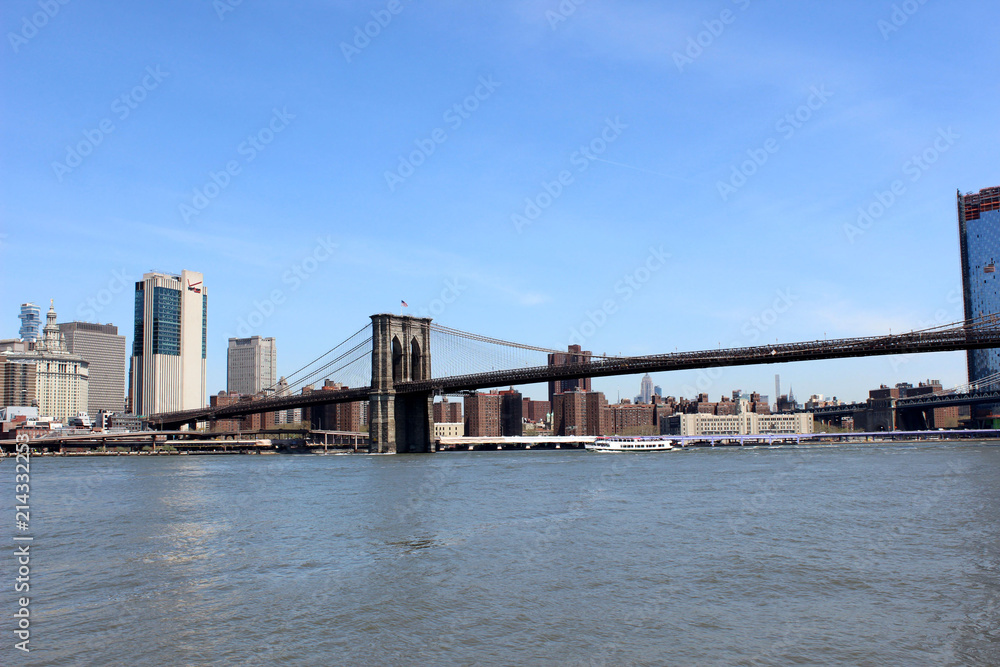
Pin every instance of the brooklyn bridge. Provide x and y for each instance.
(388, 363)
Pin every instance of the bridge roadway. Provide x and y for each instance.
(948, 340)
(924, 401)
(910, 343)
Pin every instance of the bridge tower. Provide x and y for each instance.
(401, 352)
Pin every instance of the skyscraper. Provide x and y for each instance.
(104, 350)
(252, 365)
(31, 322)
(170, 344)
(646, 389)
(979, 237)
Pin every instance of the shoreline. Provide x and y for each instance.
(319, 450)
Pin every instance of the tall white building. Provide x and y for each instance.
(646, 389)
(167, 371)
(252, 364)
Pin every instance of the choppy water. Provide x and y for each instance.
(814, 555)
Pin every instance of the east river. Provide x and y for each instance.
(819, 555)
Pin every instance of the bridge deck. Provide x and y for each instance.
(961, 338)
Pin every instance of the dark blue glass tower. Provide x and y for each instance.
(979, 234)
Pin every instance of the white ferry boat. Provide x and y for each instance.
(620, 443)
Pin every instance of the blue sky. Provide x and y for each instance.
(740, 138)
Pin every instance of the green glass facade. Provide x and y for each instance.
(166, 321)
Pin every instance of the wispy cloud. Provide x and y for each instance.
(234, 246)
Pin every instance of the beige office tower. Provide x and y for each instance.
(167, 372)
(252, 366)
(105, 351)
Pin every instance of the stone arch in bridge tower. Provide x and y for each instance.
(401, 352)
(397, 360)
(416, 372)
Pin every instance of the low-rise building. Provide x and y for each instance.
(449, 430)
(745, 422)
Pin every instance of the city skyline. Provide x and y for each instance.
(727, 197)
(691, 288)
(705, 383)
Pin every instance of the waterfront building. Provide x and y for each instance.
(105, 353)
(448, 430)
(482, 415)
(253, 422)
(574, 355)
(627, 418)
(493, 415)
(744, 422)
(252, 365)
(646, 389)
(335, 416)
(31, 322)
(48, 375)
(881, 414)
(349, 416)
(979, 239)
(118, 421)
(511, 413)
(579, 413)
(167, 372)
(938, 417)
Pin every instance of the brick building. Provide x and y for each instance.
(579, 413)
(493, 415)
(574, 355)
(447, 412)
(536, 411)
(255, 422)
(335, 416)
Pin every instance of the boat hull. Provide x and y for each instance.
(626, 445)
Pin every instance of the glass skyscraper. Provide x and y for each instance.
(31, 322)
(979, 235)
